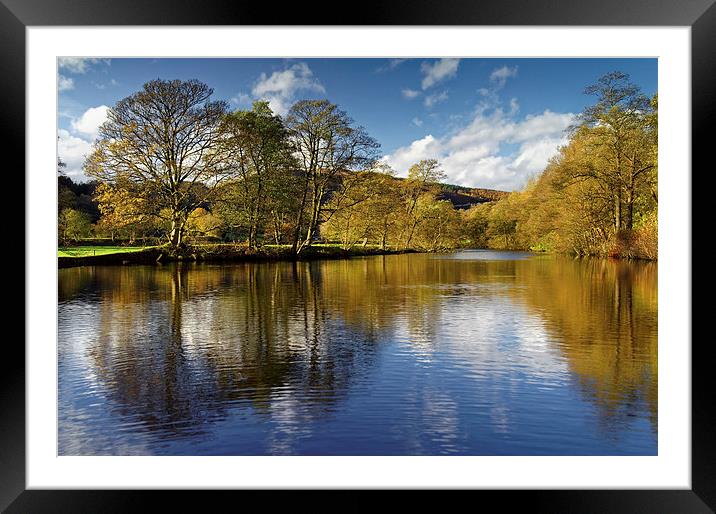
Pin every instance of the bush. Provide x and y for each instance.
(622, 244)
(640, 243)
(647, 238)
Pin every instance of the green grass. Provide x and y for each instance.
(85, 251)
(270, 250)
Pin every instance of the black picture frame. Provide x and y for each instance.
(700, 15)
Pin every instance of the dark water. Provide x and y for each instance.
(475, 353)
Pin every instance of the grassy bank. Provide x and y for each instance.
(106, 255)
(91, 251)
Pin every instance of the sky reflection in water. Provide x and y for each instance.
(475, 353)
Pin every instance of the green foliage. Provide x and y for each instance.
(74, 225)
(260, 153)
(329, 147)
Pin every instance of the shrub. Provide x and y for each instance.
(647, 237)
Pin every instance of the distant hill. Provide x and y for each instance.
(465, 197)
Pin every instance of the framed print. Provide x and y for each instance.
(417, 251)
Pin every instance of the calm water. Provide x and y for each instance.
(474, 353)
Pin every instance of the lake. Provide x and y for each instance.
(471, 353)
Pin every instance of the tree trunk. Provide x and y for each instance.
(411, 232)
(177, 231)
(315, 214)
(276, 228)
(629, 215)
(297, 231)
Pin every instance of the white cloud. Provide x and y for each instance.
(241, 100)
(475, 155)
(500, 75)
(65, 83)
(72, 150)
(410, 93)
(417, 122)
(435, 98)
(404, 157)
(90, 121)
(438, 71)
(392, 64)
(78, 65)
(281, 87)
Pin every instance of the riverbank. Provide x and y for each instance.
(222, 253)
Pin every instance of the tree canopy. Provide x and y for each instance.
(171, 162)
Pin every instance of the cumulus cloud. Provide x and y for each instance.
(410, 93)
(417, 122)
(281, 87)
(72, 150)
(241, 100)
(479, 154)
(65, 83)
(499, 76)
(78, 65)
(435, 98)
(438, 71)
(90, 121)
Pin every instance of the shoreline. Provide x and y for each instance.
(155, 256)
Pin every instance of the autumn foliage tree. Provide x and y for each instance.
(619, 131)
(423, 176)
(165, 140)
(598, 194)
(365, 212)
(125, 209)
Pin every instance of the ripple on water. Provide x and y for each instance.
(473, 353)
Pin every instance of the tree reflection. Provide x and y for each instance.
(177, 347)
(604, 317)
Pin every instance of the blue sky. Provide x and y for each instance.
(490, 122)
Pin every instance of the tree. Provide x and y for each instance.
(260, 153)
(328, 147)
(66, 197)
(204, 223)
(164, 139)
(621, 130)
(383, 217)
(74, 225)
(439, 226)
(125, 208)
(475, 225)
(422, 177)
(365, 211)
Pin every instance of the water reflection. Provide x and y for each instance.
(610, 307)
(392, 355)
